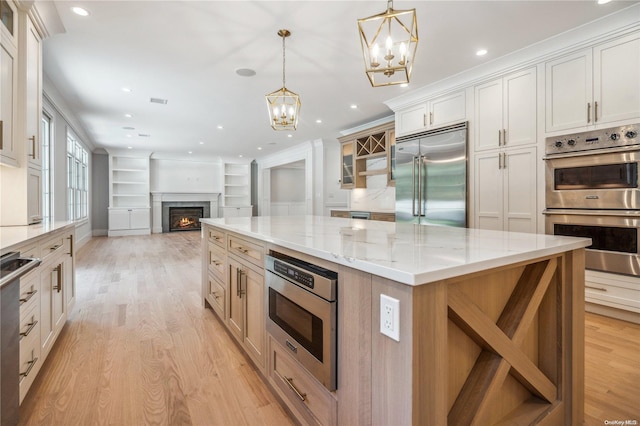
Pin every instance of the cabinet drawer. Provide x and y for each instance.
(340, 213)
(53, 245)
(217, 295)
(386, 217)
(30, 362)
(29, 291)
(215, 236)
(616, 294)
(216, 260)
(300, 391)
(250, 251)
(30, 323)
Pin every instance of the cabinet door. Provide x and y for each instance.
(139, 218)
(51, 303)
(34, 195)
(569, 91)
(520, 108)
(69, 287)
(411, 120)
(488, 191)
(8, 151)
(119, 219)
(236, 302)
(488, 112)
(33, 95)
(616, 76)
(348, 161)
(519, 169)
(254, 327)
(447, 109)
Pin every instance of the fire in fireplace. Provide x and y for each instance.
(184, 218)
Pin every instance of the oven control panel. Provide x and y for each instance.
(300, 277)
(614, 137)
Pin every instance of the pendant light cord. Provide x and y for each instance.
(283, 60)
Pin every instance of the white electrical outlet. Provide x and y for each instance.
(390, 317)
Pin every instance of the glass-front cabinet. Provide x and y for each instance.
(348, 162)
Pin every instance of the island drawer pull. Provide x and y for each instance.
(31, 364)
(31, 325)
(56, 247)
(289, 382)
(29, 296)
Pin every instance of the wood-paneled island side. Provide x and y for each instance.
(491, 323)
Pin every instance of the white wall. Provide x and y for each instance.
(287, 184)
(100, 194)
(186, 176)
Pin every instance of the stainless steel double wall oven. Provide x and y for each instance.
(592, 190)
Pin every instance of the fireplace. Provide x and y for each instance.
(184, 218)
(183, 215)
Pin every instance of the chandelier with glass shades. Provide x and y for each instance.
(389, 42)
(283, 104)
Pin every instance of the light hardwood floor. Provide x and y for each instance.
(140, 349)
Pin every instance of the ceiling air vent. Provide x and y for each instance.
(144, 135)
(158, 101)
(128, 128)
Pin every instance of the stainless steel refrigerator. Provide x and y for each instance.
(431, 177)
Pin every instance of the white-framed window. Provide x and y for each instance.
(47, 167)
(77, 179)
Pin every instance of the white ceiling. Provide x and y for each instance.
(187, 52)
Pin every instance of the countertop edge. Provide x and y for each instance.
(13, 236)
(408, 278)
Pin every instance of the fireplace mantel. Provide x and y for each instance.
(158, 197)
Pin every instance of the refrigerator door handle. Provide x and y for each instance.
(413, 186)
(419, 159)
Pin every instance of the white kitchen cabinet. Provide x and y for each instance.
(245, 211)
(8, 100)
(505, 190)
(436, 112)
(133, 221)
(506, 111)
(30, 84)
(34, 194)
(599, 85)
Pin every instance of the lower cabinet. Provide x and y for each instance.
(246, 211)
(47, 296)
(246, 307)
(129, 221)
(303, 394)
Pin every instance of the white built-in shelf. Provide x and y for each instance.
(237, 185)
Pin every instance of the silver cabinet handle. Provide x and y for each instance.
(58, 285)
(56, 247)
(499, 160)
(289, 382)
(588, 112)
(431, 118)
(424, 120)
(31, 364)
(504, 137)
(1, 134)
(595, 288)
(29, 296)
(499, 137)
(70, 238)
(238, 282)
(595, 111)
(33, 146)
(504, 160)
(31, 325)
(413, 186)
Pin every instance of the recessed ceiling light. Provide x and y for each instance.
(603, 1)
(289, 135)
(220, 127)
(318, 121)
(129, 147)
(404, 85)
(128, 115)
(128, 136)
(126, 89)
(245, 72)
(240, 155)
(190, 152)
(354, 106)
(259, 148)
(201, 143)
(481, 52)
(80, 11)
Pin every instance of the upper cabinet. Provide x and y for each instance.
(367, 153)
(599, 85)
(436, 112)
(506, 111)
(8, 83)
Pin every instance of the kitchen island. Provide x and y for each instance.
(491, 326)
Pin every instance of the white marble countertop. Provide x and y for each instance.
(11, 236)
(410, 254)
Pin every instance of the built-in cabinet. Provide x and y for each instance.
(20, 115)
(47, 297)
(129, 202)
(598, 85)
(237, 190)
(505, 190)
(506, 111)
(436, 112)
(367, 153)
